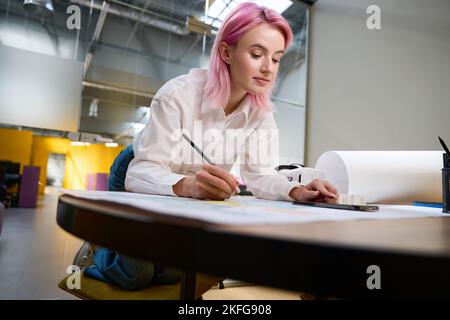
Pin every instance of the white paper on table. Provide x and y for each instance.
(385, 176)
(249, 210)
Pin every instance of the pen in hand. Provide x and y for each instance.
(198, 149)
(204, 156)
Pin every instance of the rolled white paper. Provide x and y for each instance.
(385, 176)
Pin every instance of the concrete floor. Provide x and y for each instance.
(35, 252)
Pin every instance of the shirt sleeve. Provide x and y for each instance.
(260, 159)
(150, 171)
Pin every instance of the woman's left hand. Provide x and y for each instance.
(316, 191)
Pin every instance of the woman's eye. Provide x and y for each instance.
(275, 61)
(256, 56)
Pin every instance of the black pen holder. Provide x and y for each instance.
(446, 184)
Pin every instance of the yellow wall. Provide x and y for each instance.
(80, 161)
(23, 147)
(15, 145)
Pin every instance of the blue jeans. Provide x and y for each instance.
(118, 170)
(111, 266)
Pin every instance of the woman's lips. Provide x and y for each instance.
(261, 81)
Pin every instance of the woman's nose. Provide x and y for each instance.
(267, 66)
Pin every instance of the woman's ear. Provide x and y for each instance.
(224, 50)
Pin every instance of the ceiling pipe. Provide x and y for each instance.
(95, 37)
(107, 87)
(132, 14)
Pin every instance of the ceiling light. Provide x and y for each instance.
(79, 144)
(111, 144)
(220, 8)
(93, 108)
(43, 8)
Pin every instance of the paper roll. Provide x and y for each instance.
(385, 176)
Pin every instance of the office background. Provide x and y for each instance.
(71, 100)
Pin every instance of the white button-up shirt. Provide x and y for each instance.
(163, 157)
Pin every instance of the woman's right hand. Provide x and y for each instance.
(211, 182)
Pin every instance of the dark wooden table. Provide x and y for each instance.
(328, 259)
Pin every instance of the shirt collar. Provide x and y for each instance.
(244, 108)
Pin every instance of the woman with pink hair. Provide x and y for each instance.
(230, 101)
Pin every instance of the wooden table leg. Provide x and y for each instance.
(188, 282)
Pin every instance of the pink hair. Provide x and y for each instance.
(240, 20)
